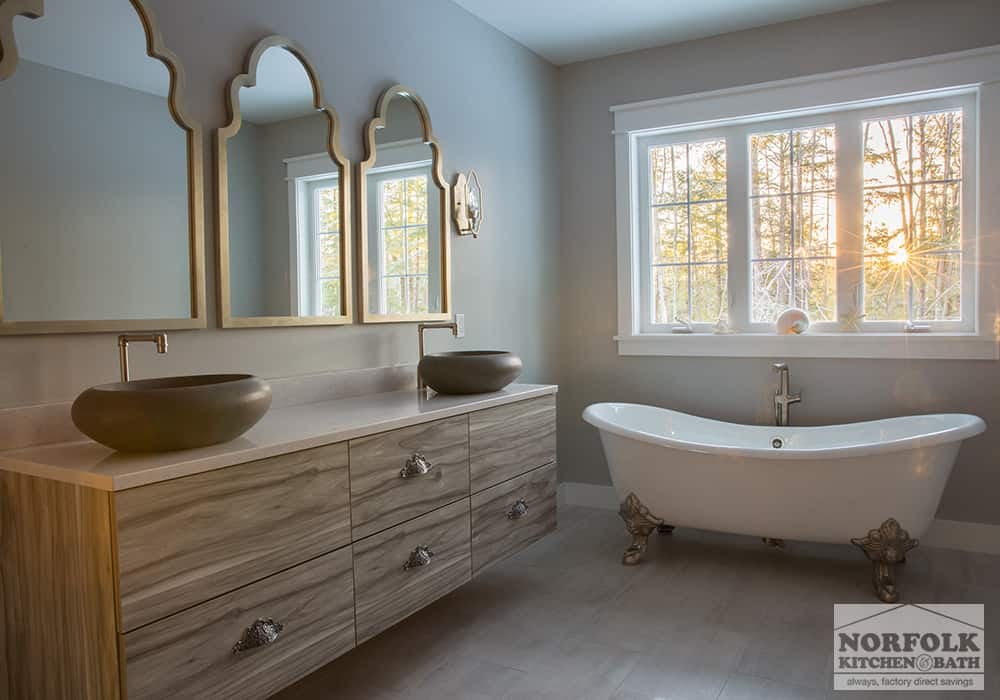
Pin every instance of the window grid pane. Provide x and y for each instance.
(325, 223)
(793, 209)
(405, 247)
(689, 232)
(912, 217)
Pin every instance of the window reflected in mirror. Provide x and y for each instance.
(404, 227)
(285, 220)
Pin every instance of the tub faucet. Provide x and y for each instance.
(782, 399)
(159, 339)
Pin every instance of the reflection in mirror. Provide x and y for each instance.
(405, 242)
(285, 225)
(101, 225)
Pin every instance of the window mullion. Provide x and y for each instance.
(850, 215)
(738, 223)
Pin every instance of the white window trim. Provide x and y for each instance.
(300, 171)
(974, 72)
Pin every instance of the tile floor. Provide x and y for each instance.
(704, 617)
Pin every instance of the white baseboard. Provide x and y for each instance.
(947, 534)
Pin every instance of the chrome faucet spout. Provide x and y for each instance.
(782, 398)
(421, 327)
(158, 339)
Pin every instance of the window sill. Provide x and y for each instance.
(938, 346)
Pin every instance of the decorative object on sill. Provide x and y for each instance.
(792, 322)
(683, 327)
(850, 322)
(911, 327)
(722, 326)
(468, 207)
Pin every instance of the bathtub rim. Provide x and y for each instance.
(972, 426)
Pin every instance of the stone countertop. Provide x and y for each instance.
(280, 431)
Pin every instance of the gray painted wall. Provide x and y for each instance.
(93, 180)
(504, 282)
(739, 389)
(247, 233)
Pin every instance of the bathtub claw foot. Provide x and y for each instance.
(885, 548)
(640, 523)
(773, 542)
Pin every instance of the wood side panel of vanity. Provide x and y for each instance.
(386, 591)
(57, 574)
(510, 440)
(381, 497)
(184, 541)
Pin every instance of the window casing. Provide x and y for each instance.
(834, 191)
(969, 81)
(314, 214)
(398, 199)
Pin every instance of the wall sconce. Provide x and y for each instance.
(467, 195)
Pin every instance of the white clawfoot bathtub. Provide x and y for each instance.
(823, 484)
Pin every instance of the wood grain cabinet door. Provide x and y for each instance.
(395, 579)
(185, 541)
(400, 474)
(509, 516)
(304, 618)
(510, 440)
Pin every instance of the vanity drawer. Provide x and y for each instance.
(185, 541)
(381, 497)
(510, 440)
(191, 654)
(509, 516)
(389, 589)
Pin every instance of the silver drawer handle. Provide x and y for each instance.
(417, 465)
(518, 510)
(262, 633)
(421, 556)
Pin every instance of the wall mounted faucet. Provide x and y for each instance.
(782, 399)
(159, 339)
(421, 327)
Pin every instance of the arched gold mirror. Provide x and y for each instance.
(101, 186)
(284, 221)
(403, 198)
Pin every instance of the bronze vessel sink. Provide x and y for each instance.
(469, 372)
(171, 413)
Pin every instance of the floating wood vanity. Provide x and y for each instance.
(234, 570)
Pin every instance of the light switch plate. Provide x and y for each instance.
(460, 322)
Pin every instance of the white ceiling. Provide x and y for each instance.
(566, 31)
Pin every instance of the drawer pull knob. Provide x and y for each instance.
(262, 633)
(421, 556)
(417, 465)
(518, 510)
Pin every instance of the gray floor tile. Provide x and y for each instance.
(704, 617)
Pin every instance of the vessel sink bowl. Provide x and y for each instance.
(469, 372)
(171, 413)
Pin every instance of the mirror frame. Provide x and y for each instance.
(248, 79)
(378, 121)
(32, 9)
(196, 189)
